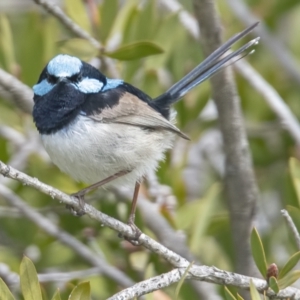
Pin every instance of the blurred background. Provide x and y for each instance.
(187, 192)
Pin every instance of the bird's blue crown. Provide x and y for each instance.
(80, 75)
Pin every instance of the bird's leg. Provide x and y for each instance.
(130, 222)
(133, 209)
(80, 194)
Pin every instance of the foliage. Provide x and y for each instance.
(31, 289)
(151, 50)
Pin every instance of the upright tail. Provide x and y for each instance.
(207, 68)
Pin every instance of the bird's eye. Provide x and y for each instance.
(51, 78)
(75, 78)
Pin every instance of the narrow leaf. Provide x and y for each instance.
(294, 165)
(253, 291)
(239, 297)
(273, 284)
(206, 211)
(291, 263)
(289, 279)
(5, 292)
(122, 18)
(78, 47)
(56, 296)
(228, 294)
(179, 285)
(258, 252)
(29, 281)
(77, 12)
(7, 44)
(81, 292)
(294, 212)
(135, 50)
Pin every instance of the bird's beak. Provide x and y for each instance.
(63, 79)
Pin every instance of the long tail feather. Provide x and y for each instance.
(211, 65)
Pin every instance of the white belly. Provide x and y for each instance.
(91, 151)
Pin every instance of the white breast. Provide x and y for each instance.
(90, 151)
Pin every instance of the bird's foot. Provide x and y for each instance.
(78, 212)
(137, 233)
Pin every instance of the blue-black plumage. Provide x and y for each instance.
(106, 131)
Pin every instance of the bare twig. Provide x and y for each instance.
(65, 238)
(209, 274)
(12, 278)
(272, 98)
(292, 226)
(274, 45)
(12, 135)
(175, 241)
(202, 273)
(56, 11)
(22, 95)
(241, 189)
(185, 18)
(106, 220)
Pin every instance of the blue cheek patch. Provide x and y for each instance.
(87, 85)
(112, 83)
(42, 88)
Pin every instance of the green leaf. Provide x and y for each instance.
(203, 216)
(253, 292)
(29, 280)
(295, 173)
(50, 33)
(5, 292)
(258, 252)
(81, 292)
(180, 283)
(56, 296)
(291, 263)
(7, 44)
(77, 12)
(294, 212)
(239, 297)
(78, 47)
(122, 18)
(108, 13)
(135, 50)
(273, 284)
(289, 279)
(228, 294)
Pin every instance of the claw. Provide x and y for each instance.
(137, 233)
(78, 212)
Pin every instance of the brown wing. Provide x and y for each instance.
(132, 111)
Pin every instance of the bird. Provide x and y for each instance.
(106, 132)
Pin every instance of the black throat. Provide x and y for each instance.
(57, 108)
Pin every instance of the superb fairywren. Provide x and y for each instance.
(106, 131)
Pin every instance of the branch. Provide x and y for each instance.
(185, 18)
(65, 238)
(270, 41)
(241, 188)
(270, 95)
(273, 99)
(173, 240)
(57, 12)
(22, 94)
(12, 278)
(204, 273)
(104, 219)
(292, 226)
